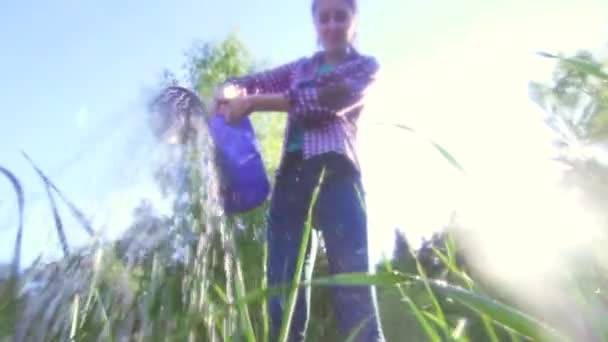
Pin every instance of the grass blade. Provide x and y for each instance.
(8, 299)
(75, 309)
(360, 278)
(243, 310)
(220, 293)
(442, 321)
(265, 314)
(428, 329)
(450, 262)
(58, 223)
(502, 314)
(296, 283)
(579, 64)
(71, 206)
(448, 156)
(390, 278)
(107, 327)
(489, 328)
(356, 331)
(20, 209)
(434, 318)
(444, 152)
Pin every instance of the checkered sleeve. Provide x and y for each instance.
(275, 80)
(347, 92)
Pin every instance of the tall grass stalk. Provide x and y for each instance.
(450, 262)
(243, 310)
(296, 282)
(428, 329)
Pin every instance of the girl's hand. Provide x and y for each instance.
(223, 94)
(235, 109)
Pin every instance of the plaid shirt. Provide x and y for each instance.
(329, 126)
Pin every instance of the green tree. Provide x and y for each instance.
(576, 104)
(576, 100)
(209, 64)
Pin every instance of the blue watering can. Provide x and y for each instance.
(244, 183)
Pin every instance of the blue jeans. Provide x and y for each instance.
(339, 214)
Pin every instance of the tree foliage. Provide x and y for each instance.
(576, 100)
(209, 64)
(576, 106)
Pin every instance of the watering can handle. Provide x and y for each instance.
(226, 91)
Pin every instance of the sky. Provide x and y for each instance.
(74, 73)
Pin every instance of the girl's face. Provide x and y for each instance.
(335, 22)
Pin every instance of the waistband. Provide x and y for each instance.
(336, 162)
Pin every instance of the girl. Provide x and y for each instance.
(324, 96)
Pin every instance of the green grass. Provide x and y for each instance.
(161, 301)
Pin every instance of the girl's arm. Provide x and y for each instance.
(280, 102)
(275, 80)
(321, 103)
(274, 102)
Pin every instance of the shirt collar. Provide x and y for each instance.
(317, 59)
(352, 53)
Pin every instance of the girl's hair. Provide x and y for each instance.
(351, 3)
